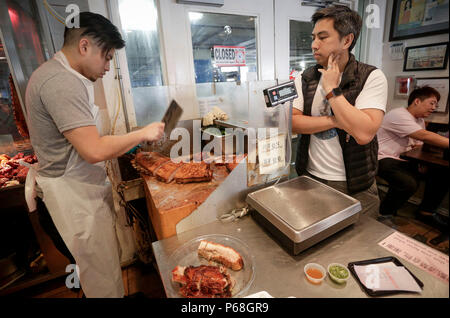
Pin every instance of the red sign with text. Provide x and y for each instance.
(229, 55)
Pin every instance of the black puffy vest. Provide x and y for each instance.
(361, 161)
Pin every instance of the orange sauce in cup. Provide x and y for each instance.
(314, 273)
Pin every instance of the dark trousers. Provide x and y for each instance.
(404, 178)
(49, 227)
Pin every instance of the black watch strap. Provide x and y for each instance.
(337, 91)
(334, 92)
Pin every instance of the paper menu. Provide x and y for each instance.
(424, 257)
(386, 276)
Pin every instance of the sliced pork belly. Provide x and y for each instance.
(167, 171)
(194, 172)
(151, 161)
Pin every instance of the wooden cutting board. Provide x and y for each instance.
(168, 204)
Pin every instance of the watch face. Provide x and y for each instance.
(337, 91)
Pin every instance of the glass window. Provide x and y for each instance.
(5, 95)
(139, 19)
(224, 47)
(27, 38)
(22, 37)
(300, 52)
(7, 124)
(11, 141)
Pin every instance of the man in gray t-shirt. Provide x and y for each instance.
(57, 101)
(62, 120)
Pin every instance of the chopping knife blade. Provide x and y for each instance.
(171, 117)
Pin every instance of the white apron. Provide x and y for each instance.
(80, 203)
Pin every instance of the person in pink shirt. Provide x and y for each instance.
(402, 129)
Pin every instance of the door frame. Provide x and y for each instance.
(285, 11)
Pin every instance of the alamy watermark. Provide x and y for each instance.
(233, 142)
(373, 17)
(73, 18)
(73, 279)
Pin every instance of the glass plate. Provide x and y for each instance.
(186, 255)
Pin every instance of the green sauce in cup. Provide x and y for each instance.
(338, 271)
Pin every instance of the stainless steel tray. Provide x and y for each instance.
(302, 208)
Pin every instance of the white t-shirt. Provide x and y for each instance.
(326, 160)
(393, 135)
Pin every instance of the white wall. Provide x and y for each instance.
(393, 68)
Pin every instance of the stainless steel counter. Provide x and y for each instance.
(281, 274)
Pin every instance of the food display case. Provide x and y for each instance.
(27, 254)
(19, 29)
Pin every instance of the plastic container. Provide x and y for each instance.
(313, 271)
(343, 269)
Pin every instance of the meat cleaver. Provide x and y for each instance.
(171, 117)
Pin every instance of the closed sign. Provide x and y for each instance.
(229, 55)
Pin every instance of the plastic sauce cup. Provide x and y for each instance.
(315, 273)
(343, 269)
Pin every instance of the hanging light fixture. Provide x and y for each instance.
(321, 3)
(227, 29)
(212, 3)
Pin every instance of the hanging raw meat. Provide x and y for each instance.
(11, 171)
(19, 117)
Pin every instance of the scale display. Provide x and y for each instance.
(280, 94)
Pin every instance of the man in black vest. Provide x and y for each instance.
(340, 107)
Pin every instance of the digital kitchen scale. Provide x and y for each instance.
(280, 94)
(302, 212)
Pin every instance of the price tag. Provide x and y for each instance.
(272, 154)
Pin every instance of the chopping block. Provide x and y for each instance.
(169, 203)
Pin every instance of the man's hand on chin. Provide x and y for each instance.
(331, 75)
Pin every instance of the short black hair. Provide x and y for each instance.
(98, 27)
(423, 93)
(346, 21)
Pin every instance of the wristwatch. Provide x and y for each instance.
(334, 92)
